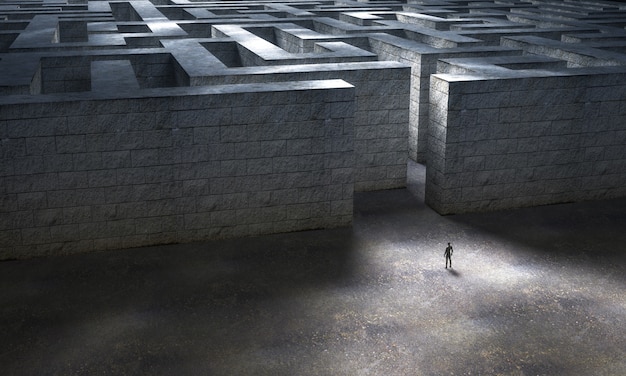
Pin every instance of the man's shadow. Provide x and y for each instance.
(454, 272)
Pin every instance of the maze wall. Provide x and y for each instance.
(526, 141)
(509, 103)
(209, 163)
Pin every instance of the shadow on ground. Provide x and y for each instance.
(536, 291)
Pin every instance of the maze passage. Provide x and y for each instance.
(175, 120)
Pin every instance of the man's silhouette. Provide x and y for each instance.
(448, 254)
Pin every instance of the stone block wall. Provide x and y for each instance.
(380, 119)
(508, 143)
(93, 173)
(423, 61)
(501, 136)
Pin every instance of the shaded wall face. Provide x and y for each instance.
(496, 144)
(105, 174)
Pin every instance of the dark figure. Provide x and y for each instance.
(448, 254)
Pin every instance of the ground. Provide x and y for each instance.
(537, 291)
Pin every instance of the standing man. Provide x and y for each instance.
(448, 254)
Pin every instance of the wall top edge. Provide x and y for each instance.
(535, 73)
(304, 68)
(180, 92)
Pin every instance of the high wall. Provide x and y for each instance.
(506, 102)
(514, 142)
(381, 114)
(84, 173)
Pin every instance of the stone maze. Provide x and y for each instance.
(132, 123)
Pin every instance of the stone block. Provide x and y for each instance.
(48, 217)
(87, 161)
(64, 233)
(32, 201)
(40, 145)
(7, 239)
(102, 178)
(28, 165)
(36, 235)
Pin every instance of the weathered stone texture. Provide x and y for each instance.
(508, 103)
(526, 142)
(186, 179)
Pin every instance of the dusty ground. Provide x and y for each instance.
(538, 291)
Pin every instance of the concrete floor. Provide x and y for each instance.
(538, 291)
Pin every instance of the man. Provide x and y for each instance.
(448, 254)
